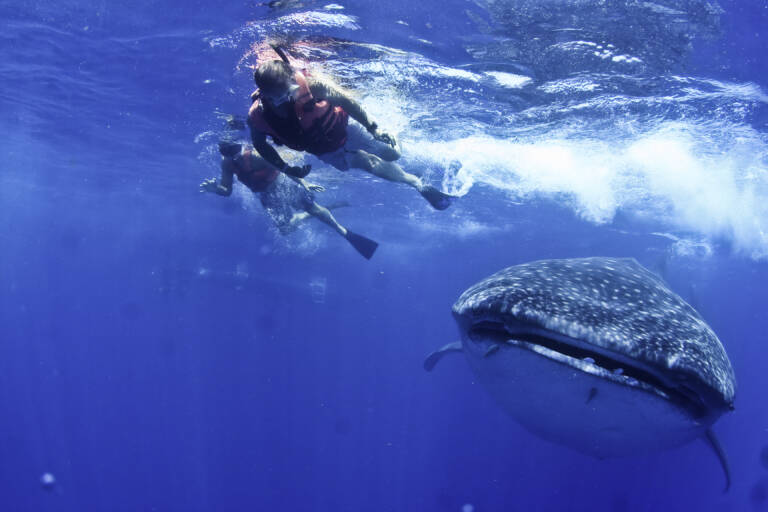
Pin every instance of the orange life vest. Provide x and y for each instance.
(318, 126)
(255, 179)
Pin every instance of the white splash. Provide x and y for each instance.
(679, 175)
(509, 79)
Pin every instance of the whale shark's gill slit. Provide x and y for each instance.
(682, 396)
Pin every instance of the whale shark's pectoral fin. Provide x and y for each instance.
(435, 356)
(720, 455)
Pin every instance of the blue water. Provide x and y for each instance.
(164, 350)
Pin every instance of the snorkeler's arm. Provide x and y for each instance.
(266, 151)
(338, 97)
(325, 90)
(227, 176)
(310, 187)
(269, 154)
(223, 186)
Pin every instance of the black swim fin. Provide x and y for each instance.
(438, 200)
(364, 246)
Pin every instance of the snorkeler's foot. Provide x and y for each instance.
(365, 246)
(438, 200)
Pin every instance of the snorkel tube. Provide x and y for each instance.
(280, 53)
(309, 106)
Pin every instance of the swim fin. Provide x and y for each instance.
(438, 200)
(365, 246)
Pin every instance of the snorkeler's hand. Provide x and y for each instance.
(211, 185)
(382, 136)
(296, 171)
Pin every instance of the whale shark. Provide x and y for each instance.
(596, 354)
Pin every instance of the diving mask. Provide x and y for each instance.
(280, 97)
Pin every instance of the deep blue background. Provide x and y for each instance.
(160, 350)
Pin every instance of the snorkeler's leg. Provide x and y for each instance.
(389, 171)
(387, 152)
(302, 216)
(392, 172)
(365, 246)
(299, 217)
(325, 216)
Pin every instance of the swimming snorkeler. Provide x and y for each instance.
(308, 114)
(287, 201)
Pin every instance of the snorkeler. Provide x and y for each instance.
(282, 198)
(308, 114)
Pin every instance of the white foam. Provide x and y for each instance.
(509, 79)
(258, 29)
(412, 66)
(569, 85)
(313, 19)
(683, 176)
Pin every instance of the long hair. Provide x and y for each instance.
(272, 75)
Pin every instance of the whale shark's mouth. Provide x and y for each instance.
(491, 336)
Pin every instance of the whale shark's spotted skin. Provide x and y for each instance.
(611, 303)
(596, 354)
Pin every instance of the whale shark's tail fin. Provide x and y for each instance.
(363, 245)
(720, 455)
